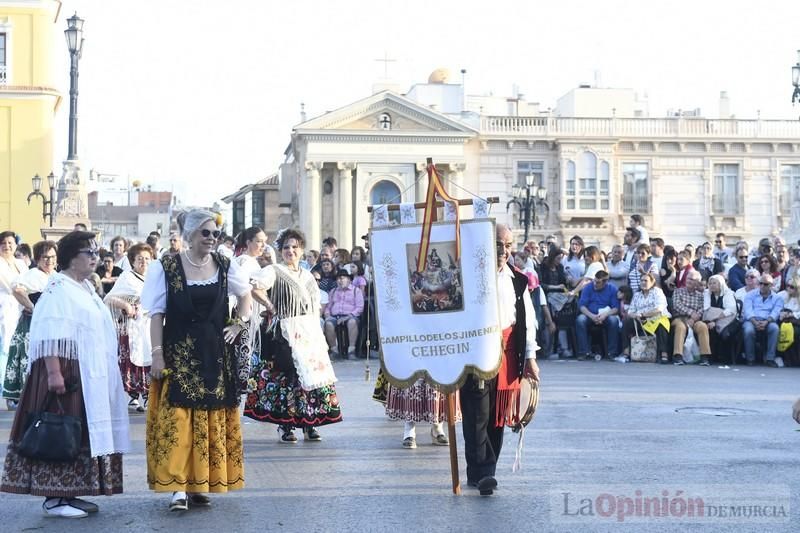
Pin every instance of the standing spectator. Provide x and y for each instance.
(24, 254)
(760, 314)
(175, 244)
(687, 303)
(737, 272)
(657, 249)
(764, 248)
(154, 241)
(341, 257)
(618, 268)
(721, 250)
(108, 273)
(637, 222)
(598, 306)
(706, 264)
(325, 254)
(644, 264)
(73, 354)
(631, 240)
(331, 243)
(575, 266)
(781, 263)
(119, 249)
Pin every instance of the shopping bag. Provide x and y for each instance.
(643, 346)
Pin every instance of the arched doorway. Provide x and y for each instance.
(386, 192)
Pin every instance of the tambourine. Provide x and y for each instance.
(528, 401)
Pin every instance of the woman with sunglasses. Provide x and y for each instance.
(27, 289)
(750, 284)
(193, 434)
(790, 314)
(293, 384)
(73, 354)
(766, 264)
(133, 326)
(643, 264)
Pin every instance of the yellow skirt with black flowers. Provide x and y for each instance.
(192, 450)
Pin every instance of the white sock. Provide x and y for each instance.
(409, 430)
(438, 428)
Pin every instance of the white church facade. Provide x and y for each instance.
(690, 177)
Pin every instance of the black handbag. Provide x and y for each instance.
(51, 437)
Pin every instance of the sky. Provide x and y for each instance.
(200, 97)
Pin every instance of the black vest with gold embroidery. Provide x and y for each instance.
(201, 365)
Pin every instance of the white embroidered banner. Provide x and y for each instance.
(408, 213)
(380, 216)
(443, 322)
(480, 208)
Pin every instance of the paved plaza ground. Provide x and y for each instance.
(601, 428)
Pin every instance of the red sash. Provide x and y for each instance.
(508, 384)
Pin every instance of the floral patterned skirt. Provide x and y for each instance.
(17, 363)
(135, 379)
(275, 395)
(192, 450)
(85, 476)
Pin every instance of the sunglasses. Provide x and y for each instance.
(765, 284)
(208, 233)
(751, 277)
(90, 253)
(791, 286)
(742, 257)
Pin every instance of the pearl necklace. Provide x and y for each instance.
(204, 263)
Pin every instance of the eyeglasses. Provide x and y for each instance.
(208, 233)
(751, 277)
(717, 242)
(791, 286)
(49, 258)
(765, 284)
(642, 254)
(90, 253)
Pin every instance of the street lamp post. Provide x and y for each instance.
(47, 205)
(526, 199)
(74, 34)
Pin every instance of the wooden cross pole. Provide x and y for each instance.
(451, 396)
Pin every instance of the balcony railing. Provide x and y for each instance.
(3, 74)
(640, 127)
(727, 204)
(635, 204)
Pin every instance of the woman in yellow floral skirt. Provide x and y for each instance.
(194, 439)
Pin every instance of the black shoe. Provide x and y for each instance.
(311, 434)
(771, 364)
(487, 485)
(750, 363)
(704, 361)
(287, 435)
(199, 500)
(677, 360)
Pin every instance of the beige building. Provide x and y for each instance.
(250, 206)
(690, 177)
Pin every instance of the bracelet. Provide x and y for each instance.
(155, 348)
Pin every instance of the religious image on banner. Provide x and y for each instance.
(443, 323)
(438, 288)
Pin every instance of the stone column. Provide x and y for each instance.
(421, 186)
(456, 178)
(311, 205)
(345, 208)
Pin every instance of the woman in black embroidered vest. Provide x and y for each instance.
(293, 384)
(193, 437)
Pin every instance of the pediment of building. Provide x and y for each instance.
(386, 112)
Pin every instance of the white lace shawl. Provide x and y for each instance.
(70, 321)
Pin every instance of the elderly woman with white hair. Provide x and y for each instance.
(193, 434)
(750, 284)
(719, 314)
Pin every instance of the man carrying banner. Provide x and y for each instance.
(487, 405)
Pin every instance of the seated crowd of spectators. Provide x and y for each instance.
(704, 304)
